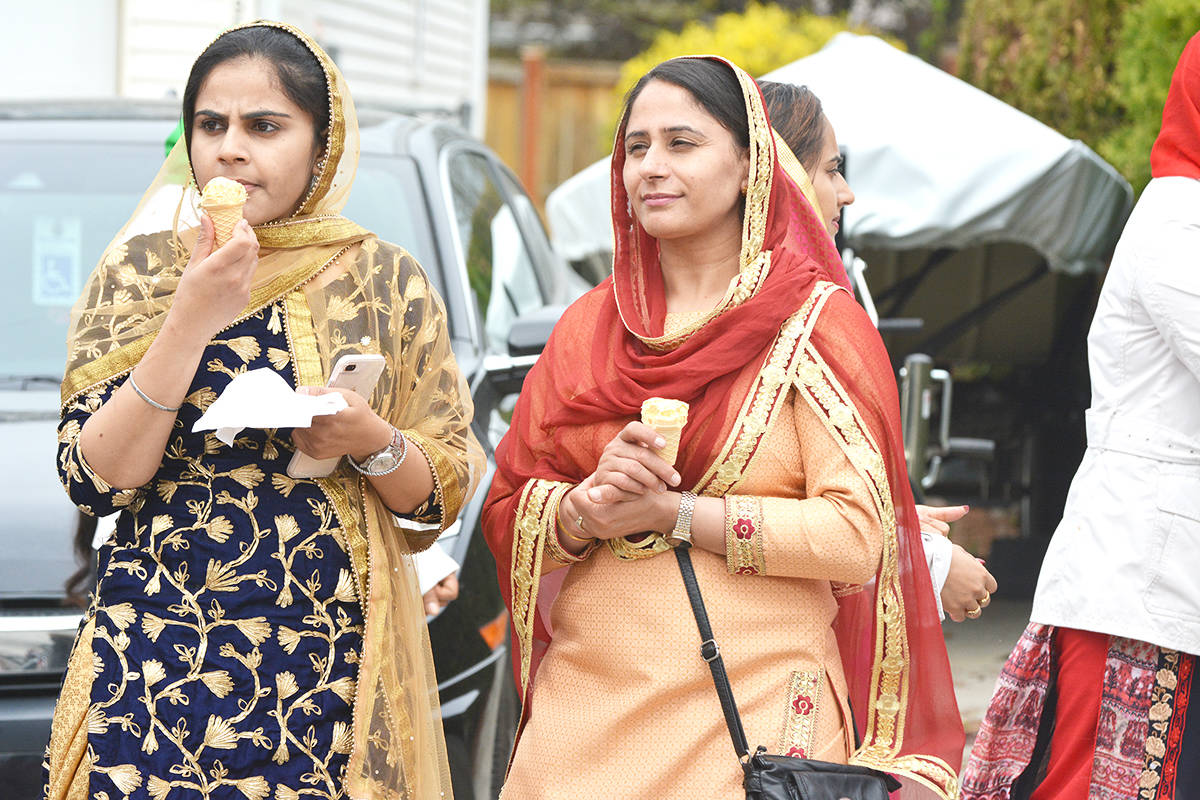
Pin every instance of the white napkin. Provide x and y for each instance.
(433, 565)
(261, 398)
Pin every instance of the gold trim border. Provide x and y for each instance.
(447, 486)
(887, 708)
(536, 516)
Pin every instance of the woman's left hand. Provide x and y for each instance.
(968, 588)
(356, 431)
(629, 468)
(609, 520)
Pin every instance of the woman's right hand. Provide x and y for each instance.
(215, 286)
(629, 467)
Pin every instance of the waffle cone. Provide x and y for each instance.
(224, 218)
(223, 199)
(670, 451)
(667, 417)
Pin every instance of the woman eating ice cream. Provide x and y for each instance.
(230, 647)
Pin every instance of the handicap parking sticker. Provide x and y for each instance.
(57, 249)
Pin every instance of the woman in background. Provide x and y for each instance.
(963, 585)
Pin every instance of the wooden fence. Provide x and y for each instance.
(549, 119)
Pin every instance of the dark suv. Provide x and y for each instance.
(69, 177)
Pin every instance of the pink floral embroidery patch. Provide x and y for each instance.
(744, 528)
(804, 706)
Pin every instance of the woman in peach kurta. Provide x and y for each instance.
(725, 296)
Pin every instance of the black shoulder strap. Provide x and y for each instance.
(711, 653)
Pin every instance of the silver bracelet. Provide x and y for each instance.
(385, 461)
(682, 532)
(149, 399)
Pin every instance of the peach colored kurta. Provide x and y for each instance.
(623, 706)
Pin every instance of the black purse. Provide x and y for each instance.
(769, 777)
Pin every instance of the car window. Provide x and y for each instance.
(500, 268)
(60, 204)
(388, 201)
(551, 269)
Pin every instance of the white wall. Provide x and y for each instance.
(394, 53)
(58, 48)
(161, 38)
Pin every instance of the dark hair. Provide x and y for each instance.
(796, 115)
(711, 83)
(83, 579)
(299, 71)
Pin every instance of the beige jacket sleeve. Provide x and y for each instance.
(818, 520)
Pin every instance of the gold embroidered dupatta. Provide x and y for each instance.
(782, 324)
(344, 291)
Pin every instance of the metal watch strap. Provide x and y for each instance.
(682, 532)
(398, 441)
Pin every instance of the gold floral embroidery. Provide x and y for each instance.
(804, 702)
(765, 397)
(888, 706)
(743, 535)
(536, 515)
(1162, 707)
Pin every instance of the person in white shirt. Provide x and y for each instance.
(1094, 700)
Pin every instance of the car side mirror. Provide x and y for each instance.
(526, 339)
(530, 332)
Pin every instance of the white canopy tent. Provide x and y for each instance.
(934, 162)
(957, 192)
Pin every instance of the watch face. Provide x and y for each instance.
(382, 462)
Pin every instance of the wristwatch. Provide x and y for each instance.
(682, 532)
(386, 460)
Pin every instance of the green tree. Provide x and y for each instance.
(1153, 33)
(620, 28)
(760, 39)
(1053, 59)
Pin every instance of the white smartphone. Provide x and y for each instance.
(358, 372)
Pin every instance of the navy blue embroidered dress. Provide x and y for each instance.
(226, 630)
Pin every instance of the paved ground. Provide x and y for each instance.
(978, 649)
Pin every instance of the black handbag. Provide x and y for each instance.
(769, 777)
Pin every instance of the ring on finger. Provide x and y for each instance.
(987, 598)
(579, 522)
(974, 613)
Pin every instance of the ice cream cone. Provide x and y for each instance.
(223, 200)
(667, 417)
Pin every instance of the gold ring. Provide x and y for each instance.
(987, 598)
(579, 522)
(974, 614)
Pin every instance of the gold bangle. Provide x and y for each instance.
(573, 536)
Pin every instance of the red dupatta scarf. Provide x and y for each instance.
(1176, 151)
(608, 353)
